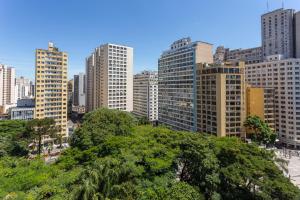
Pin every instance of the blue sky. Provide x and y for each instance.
(149, 26)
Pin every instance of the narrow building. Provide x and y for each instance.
(51, 68)
(145, 95)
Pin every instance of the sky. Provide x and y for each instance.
(149, 26)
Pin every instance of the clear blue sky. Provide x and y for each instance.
(149, 26)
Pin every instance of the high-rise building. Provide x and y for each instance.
(177, 106)
(221, 99)
(70, 96)
(283, 76)
(145, 95)
(79, 90)
(277, 33)
(7, 85)
(23, 88)
(251, 55)
(90, 96)
(109, 77)
(297, 34)
(51, 85)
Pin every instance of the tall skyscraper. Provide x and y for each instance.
(51, 85)
(90, 96)
(79, 89)
(145, 95)
(23, 88)
(7, 85)
(109, 77)
(221, 99)
(278, 33)
(70, 96)
(177, 98)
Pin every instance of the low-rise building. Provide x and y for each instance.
(23, 111)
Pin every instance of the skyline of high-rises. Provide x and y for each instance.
(23, 88)
(109, 81)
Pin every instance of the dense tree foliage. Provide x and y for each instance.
(12, 142)
(113, 158)
(259, 130)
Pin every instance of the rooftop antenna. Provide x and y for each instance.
(282, 4)
(267, 5)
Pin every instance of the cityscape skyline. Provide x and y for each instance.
(17, 32)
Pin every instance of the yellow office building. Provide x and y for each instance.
(51, 66)
(221, 99)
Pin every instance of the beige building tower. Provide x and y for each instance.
(51, 85)
(109, 78)
(221, 99)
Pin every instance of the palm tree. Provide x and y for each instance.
(101, 181)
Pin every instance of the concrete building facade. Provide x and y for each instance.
(90, 97)
(51, 85)
(221, 99)
(177, 106)
(251, 55)
(7, 85)
(277, 33)
(109, 77)
(145, 95)
(23, 111)
(23, 88)
(282, 77)
(79, 89)
(297, 34)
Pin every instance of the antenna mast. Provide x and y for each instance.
(267, 5)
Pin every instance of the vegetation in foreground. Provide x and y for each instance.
(111, 157)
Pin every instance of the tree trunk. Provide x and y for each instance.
(40, 144)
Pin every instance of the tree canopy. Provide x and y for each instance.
(259, 130)
(112, 157)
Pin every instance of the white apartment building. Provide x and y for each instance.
(7, 85)
(109, 77)
(284, 76)
(23, 88)
(145, 95)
